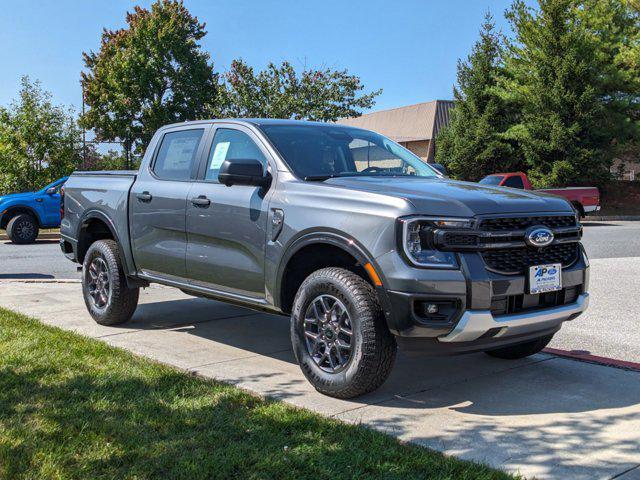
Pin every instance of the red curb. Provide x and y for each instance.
(586, 357)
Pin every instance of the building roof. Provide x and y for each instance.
(421, 121)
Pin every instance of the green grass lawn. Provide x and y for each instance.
(73, 407)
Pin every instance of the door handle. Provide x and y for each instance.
(144, 196)
(201, 201)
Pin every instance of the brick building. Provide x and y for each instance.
(415, 126)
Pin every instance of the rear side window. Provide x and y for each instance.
(514, 182)
(177, 154)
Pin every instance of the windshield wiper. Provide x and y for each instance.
(322, 178)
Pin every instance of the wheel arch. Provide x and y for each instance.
(307, 246)
(17, 210)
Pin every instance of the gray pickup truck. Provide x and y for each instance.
(359, 241)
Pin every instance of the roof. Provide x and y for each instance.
(421, 121)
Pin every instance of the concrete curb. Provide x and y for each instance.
(42, 236)
(587, 357)
(611, 218)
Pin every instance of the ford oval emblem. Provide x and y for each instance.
(538, 236)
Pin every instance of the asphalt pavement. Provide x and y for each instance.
(610, 328)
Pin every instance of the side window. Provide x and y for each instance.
(369, 156)
(177, 154)
(514, 182)
(231, 144)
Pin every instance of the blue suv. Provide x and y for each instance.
(24, 214)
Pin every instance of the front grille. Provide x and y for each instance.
(510, 304)
(517, 260)
(501, 224)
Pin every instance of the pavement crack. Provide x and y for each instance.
(405, 395)
(175, 325)
(238, 358)
(625, 472)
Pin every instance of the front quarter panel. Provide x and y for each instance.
(363, 222)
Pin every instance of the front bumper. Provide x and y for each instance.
(474, 291)
(476, 323)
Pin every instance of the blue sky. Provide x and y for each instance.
(409, 48)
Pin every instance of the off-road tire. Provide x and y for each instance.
(521, 350)
(373, 346)
(23, 229)
(122, 300)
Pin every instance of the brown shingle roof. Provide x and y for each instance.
(421, 121)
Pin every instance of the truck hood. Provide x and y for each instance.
(452, 198)
(16, 196)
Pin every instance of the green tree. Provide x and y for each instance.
(280, 92)
(555, 76)
(614, 27)
(474, 144)
(149, 74)
(39, 141)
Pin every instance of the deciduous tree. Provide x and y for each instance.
(281, 92)
(151, 73)
(39, 141)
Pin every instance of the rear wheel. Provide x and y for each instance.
(104, 285)
(23, 229)
(339, 334)
(521, 350)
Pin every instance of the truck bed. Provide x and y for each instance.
(99, 195)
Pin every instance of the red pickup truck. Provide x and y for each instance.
(584, 199)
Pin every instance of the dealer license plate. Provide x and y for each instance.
(545, 278)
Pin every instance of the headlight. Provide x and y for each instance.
(417, 240)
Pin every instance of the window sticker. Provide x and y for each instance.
(219, 155)
(179, 153)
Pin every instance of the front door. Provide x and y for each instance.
(226, 225)
(158, 203)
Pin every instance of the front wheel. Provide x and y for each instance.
(339, 334)
(22, 229)
(521, 350)
(104, 285)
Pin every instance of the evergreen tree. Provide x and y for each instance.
(554, 75)
(474, 144)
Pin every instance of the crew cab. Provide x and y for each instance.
(22, 215)
(359, 242)
(584, 199)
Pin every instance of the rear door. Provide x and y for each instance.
(227, 232)
(158, 201)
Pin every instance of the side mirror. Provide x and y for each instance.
(51, 191)
(240, 171)
(439, 167)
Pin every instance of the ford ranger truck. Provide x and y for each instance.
(22, 215)
(363, 245)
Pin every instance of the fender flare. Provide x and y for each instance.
(20, 207)
(327, 237)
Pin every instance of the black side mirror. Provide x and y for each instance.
(51, 191)
(440, 168)
(240, 171)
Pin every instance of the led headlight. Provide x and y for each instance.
(417, 240)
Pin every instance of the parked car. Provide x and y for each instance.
(584, 199)
(22, 215)
(362, 244)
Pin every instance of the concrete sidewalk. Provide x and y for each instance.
(544, 416)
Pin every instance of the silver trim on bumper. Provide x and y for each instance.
(475, 323)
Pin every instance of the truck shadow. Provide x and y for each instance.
(471, 384)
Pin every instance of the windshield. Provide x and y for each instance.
(492, 180)
(318, 152)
